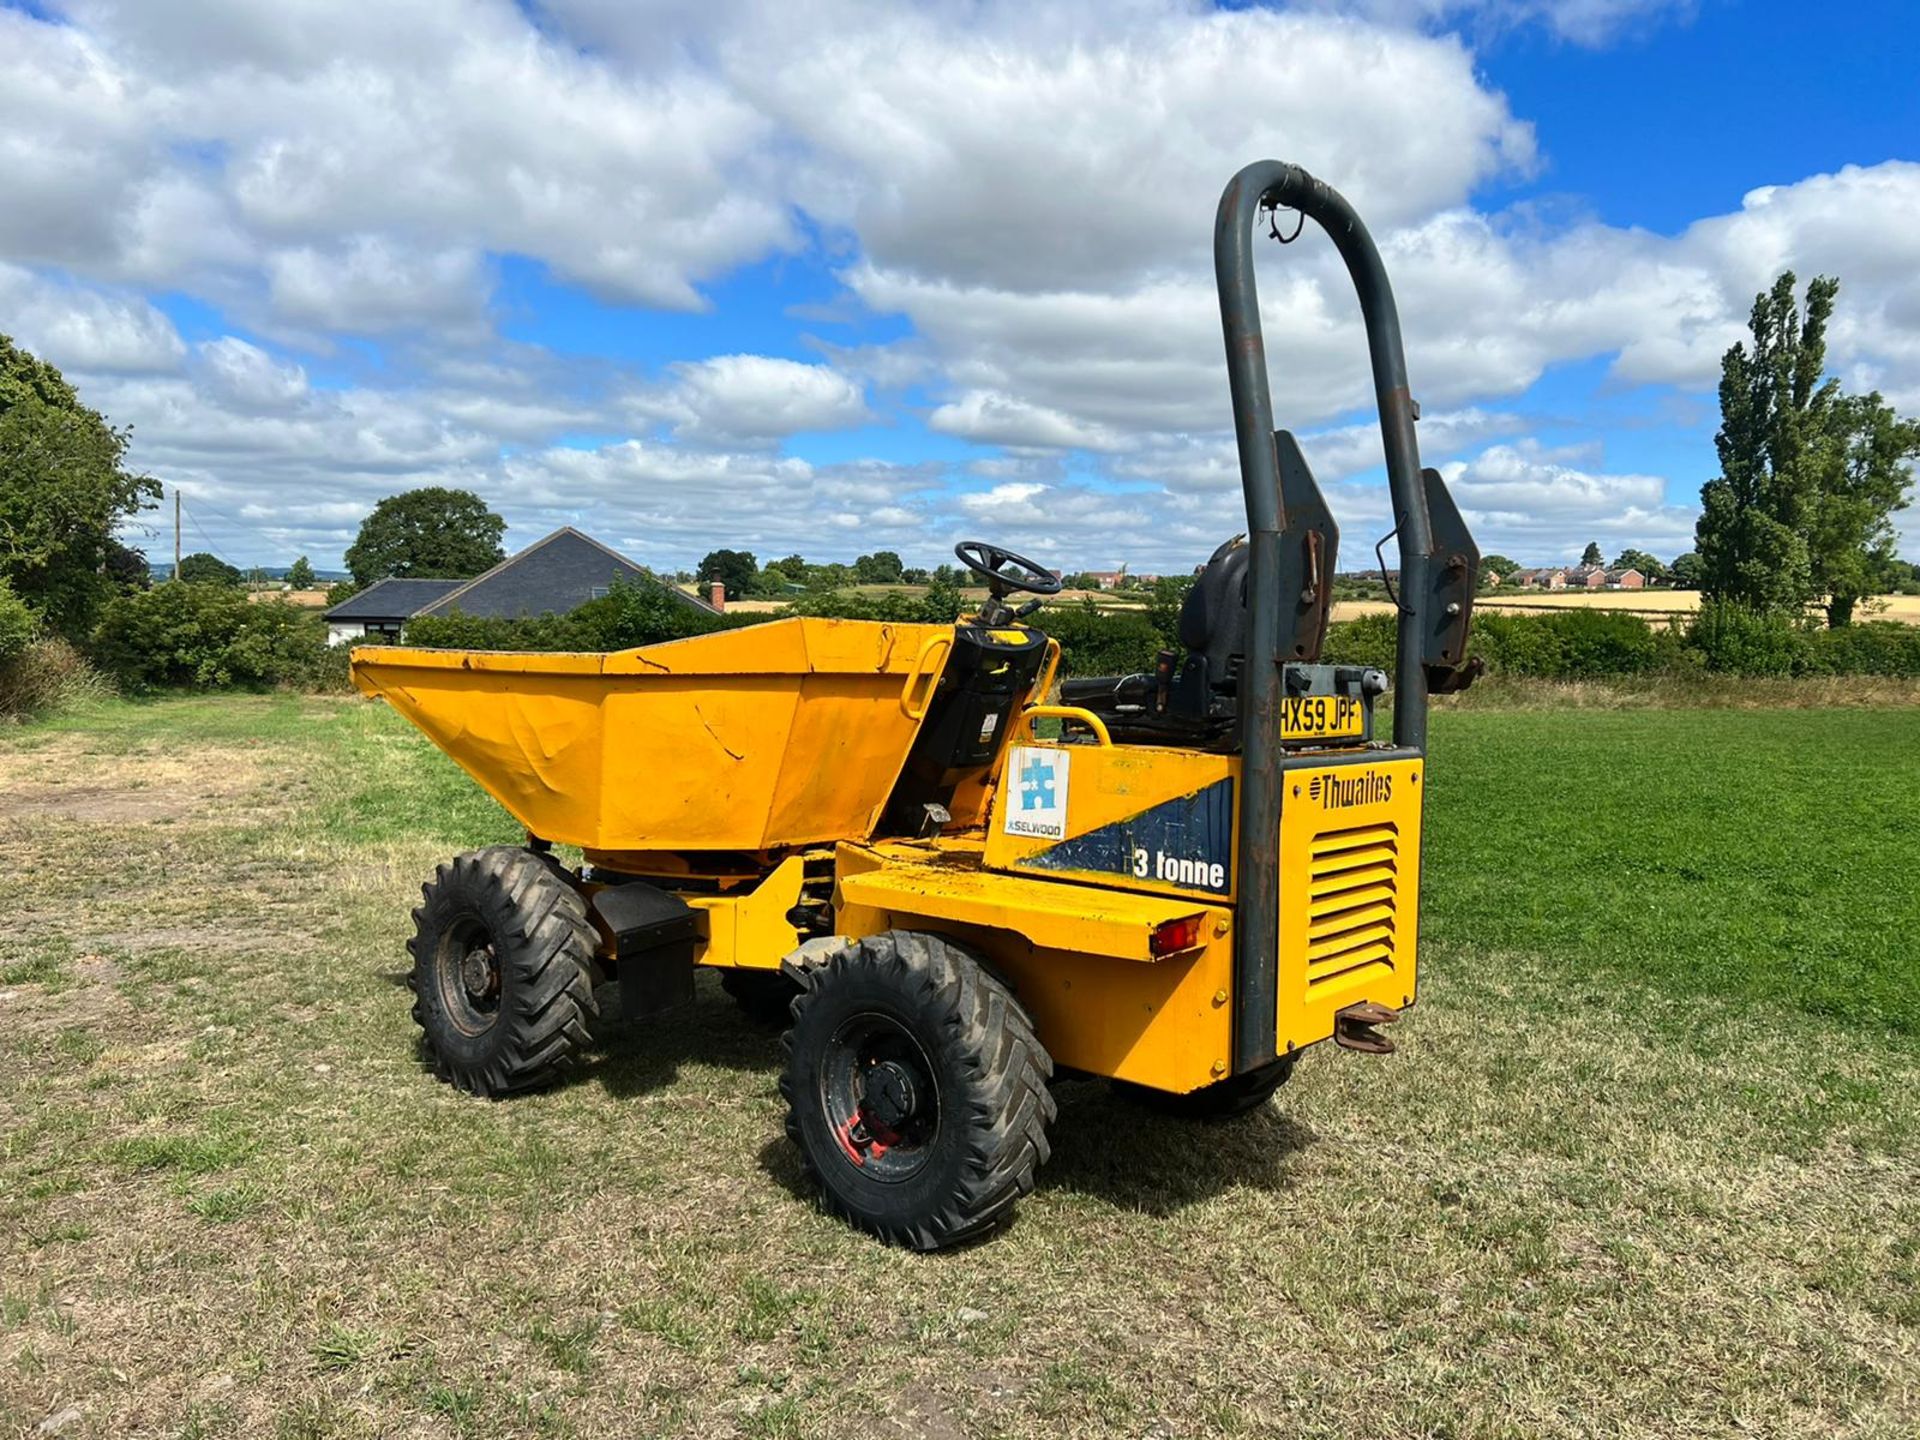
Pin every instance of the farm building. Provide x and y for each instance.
(550, 577)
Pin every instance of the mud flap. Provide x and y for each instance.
(654, 934)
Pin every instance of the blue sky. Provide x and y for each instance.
(813, 277)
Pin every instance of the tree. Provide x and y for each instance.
(1648, 565)
(64, 489)
(428, 534)
(1685, 572)
(300, 575)
(1500, 565)
(126, 566)
(1592, 554)
(201, 568)
(880, 568)
(1862, 474)
(735, 569)
(1809, 477)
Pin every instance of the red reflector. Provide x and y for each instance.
(1173, 936)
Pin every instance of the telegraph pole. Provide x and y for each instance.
(176, 532)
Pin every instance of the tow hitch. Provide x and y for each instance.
(1353, 1027)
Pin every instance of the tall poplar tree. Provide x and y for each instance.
(1809, 477)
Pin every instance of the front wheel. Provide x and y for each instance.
(915, 1089)
(502, 970)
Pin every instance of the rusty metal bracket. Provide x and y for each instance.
(1353, 1027)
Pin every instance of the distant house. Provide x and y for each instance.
(1548, 578)
(550, 577)
(1587, 577)
(1628, 579)
(379, 611)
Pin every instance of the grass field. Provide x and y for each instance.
(1648, 1163)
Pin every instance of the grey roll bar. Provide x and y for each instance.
(1262, 184)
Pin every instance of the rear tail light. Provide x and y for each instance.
(1172, 936)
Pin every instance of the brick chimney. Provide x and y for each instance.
(717, 595)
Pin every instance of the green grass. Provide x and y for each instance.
(1762, 855)
(1645, 1165)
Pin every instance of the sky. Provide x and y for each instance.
(803, 275)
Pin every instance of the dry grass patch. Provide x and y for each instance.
(234, 1203)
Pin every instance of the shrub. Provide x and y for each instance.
(893, 606)
(19, 627)
(49, 674)
(1101, 642)
(207, 637)
(491, 632)
(1164, 603)
(1737, 640)
(629, 615)
(1877, 647)
(1368, 640)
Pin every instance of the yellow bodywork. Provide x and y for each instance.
(729, 767)
(1349, 892)
(788, 733)
(1079, 958)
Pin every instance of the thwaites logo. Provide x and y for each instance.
(1336, 791)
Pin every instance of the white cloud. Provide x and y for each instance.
(1087, 149)
(368, 285)
(251, 377)
(1533, 503)
(83, 328)
(1030, 188)
(996, 419)
(755, 398)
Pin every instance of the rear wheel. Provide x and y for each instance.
(916, 1090)
(502, 970)
(1222, 1100)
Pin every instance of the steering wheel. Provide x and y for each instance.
(998, 568)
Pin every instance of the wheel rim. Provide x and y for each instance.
(880, 1096)
(467, 965)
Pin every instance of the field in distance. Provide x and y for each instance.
(1651, 603)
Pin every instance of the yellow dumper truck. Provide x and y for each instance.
(956, 891)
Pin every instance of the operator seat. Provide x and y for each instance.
(1191, 697)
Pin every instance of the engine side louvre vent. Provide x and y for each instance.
(1353, 902)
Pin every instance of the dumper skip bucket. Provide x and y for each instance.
(782, 734)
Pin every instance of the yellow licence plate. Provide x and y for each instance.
(1321, 717)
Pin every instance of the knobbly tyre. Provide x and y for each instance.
(1188, 879)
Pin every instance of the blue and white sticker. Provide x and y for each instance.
(1033, 800)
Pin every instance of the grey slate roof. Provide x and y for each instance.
(549, 577)
(392, 600)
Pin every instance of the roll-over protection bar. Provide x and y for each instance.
(1269, 183)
